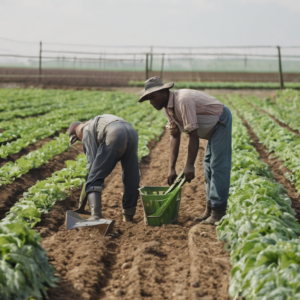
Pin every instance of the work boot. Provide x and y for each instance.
(127, 218)
(216, 215)
(94, 199)
(205, 215)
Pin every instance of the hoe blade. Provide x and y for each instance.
(74, 220)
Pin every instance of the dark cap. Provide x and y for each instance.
(72, 132)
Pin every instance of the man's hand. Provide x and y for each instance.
(189, 172)
(171, 176)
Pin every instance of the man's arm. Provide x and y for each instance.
(174, 150)
(189, 170)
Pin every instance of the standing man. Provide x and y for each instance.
(106, 140)
(200, 116)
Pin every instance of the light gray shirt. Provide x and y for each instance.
(94, 134)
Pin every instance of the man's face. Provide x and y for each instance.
(158, 99)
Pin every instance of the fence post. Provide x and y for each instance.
(146, 66)
(151, 58)
(162, 66)
(280, 69)
(40, 63)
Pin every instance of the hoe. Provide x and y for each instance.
(78, 218)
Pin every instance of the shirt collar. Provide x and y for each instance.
(171, 99)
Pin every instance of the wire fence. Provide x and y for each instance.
(117, 65)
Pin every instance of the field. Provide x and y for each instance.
(252, 254)
(108, 78)
(225, 85)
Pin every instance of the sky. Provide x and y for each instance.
(152, 22)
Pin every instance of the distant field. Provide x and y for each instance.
(105, 78)
(170, 65)
(226, 85)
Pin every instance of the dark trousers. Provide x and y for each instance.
(120, 144)
(217, 162)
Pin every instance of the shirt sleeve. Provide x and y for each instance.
(189, 114)
(171, 125)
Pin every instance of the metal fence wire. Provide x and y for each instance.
(118, 65)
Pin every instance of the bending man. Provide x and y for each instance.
(201, 116)
(106, 140)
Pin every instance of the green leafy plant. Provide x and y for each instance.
(284, 144)
(285, 107)
(260, 229)
(225, 85)
(85, 105)
(24, 269)
(10, 171)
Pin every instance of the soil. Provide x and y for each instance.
(178, 261)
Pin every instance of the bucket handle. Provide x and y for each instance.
(179, 181)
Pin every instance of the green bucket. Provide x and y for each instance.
(161, 204)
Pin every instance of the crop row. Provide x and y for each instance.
(285, 107)
(38, 127)
(40, 198)
(35, 107)
(10, 171)
(224, 85)
(18, 99)
(31, 129)
(285, 144)
(25, 270)
(260, 229)
(148, 124)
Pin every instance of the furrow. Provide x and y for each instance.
(276, 167)
(261, 110)
(10, 194)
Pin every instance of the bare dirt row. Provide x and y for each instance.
(179, 261)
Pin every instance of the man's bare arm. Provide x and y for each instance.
(189, 170)
(174, 150)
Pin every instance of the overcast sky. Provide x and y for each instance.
(153, 22)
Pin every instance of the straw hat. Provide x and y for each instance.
(153, 84)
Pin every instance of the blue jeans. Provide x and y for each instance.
(217, 162)
(120, 144)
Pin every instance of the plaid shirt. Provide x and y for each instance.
(184, 106)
